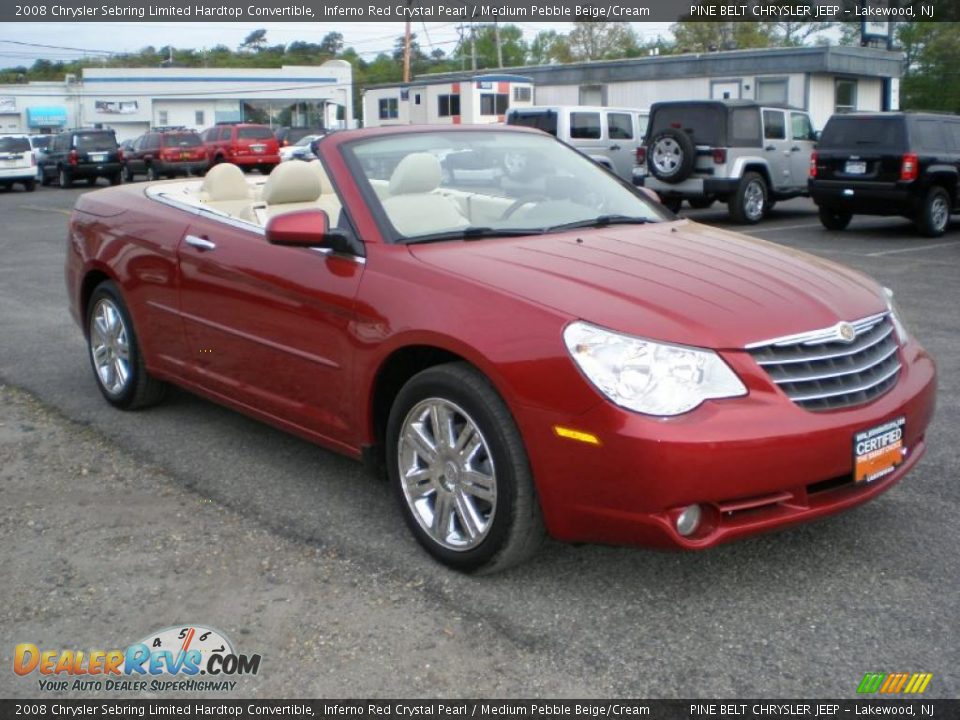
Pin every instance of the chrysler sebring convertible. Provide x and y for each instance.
(523, 353)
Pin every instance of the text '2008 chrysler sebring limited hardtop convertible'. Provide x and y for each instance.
(544, 352)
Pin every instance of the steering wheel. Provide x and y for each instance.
(521, 201)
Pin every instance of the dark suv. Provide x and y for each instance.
(244, 144)
(165, 153)
(744, 153)
(88, 154)
(888, 164)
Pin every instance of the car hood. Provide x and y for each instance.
(679, 282)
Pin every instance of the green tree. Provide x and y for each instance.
(710, 36)
(255, 40)
(602, 41)
(512, 46)
(547, 47)
(931, 79)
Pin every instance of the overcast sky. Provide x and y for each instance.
(369, 38)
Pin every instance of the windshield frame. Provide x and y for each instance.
(392, 236)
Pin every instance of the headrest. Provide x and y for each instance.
(325, 187)
(293, 181)
(225, 182)
(416, 173)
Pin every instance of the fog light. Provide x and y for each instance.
(688, 521)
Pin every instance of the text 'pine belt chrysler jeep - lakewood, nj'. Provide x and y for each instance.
(737, 151)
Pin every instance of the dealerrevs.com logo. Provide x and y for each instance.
(189, 658)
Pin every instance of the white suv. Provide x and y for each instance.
(18, 163)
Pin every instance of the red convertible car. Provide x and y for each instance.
(543, 351)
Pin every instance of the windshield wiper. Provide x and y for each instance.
(473, 233)
(602, 221)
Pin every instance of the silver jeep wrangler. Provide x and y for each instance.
(737, 151)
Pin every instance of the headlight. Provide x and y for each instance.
(895, 315)
(649, 377)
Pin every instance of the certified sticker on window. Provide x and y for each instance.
(878, 451)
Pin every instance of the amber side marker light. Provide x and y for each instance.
(571, 434)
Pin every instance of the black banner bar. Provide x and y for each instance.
(473, 11)
(482, 709)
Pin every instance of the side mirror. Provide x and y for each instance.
(311, 228)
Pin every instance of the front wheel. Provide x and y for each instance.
(934, 216)
(457, 463)
(749, 202)
(115, 356)
(834, 219)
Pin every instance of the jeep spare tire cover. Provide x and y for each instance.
(671, 155)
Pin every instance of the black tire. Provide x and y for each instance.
(514, 526)
(701, 203)
(151, 174)
(771, 204)
(140, 389)
(30, 185)
(266, 169)
(672, 204)
(671, 155)
(749, 202)
(64, 179)
(128, 174)
(116, 178)
(91, 181)
(834, 219)
(934, 216)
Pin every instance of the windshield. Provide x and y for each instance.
(96, 141)
(448, 185)
(843, 133)
(41, 142)
(181, 140)
(255, 133)
(305, 141)
(14, 144)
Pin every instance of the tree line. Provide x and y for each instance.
(931, 78)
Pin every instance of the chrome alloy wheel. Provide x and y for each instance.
(447, 474)
(753, 200)
(667, 156)
(109, 347)
(939, 213)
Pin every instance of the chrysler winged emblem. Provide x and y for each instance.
(846, 331)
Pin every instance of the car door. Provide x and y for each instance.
(267, 326)
(135, 161)
(776, 148)
(803, 140)
(587, 133)
(622, 143)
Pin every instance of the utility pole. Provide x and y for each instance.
(473, 47)
(406, 51)
(496, 40)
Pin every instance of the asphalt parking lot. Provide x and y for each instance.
(114, 525)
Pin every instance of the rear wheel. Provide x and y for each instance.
(834, 219)
(64, 178)
(114, 353)
(749, 202)
(128, 174)
(934, 216)
(30, 185)
(460, 471)
(91, 181)
(44, 178)
(116, 178)
(151, 174)
(266, 169)
(671, 155)
(672, 204)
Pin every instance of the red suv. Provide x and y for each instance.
(243, 144)
(167, 153)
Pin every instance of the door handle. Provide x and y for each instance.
(614, 147)
(795, 148)
(200, 243)
(769, 148)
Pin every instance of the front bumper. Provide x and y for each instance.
(18, 174)
(254, 159)
(753, 463)
(91, 170)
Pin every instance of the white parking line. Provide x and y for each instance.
(913, 249)
(769, 228)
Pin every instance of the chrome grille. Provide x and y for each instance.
(820, 370)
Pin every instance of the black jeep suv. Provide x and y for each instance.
(888, 164)
(87, 154)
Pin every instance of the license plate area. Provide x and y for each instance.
(98, 157)
(878, 451)
(855, 167)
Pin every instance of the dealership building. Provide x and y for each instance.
(131, 100)
(821, 79)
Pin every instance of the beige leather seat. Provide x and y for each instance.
(225, 189)
(328, 196)
(412, 206)
(292, 185)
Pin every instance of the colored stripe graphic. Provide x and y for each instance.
(894, 683)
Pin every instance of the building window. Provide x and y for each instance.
(162, 118)
(494, 104)
(523, 93)
(416, 99)
(389, 108)
(845, 95)
(448, 105)
(772, 90)
(198, 118)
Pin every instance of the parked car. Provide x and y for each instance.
(300, 150)
(246, 145)
(739, 152)
(165, 153)
(888, 164)
(287, 136)
(18, 164)
(87, 153)
(610, 136)
(574, 359)
(40, 143)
